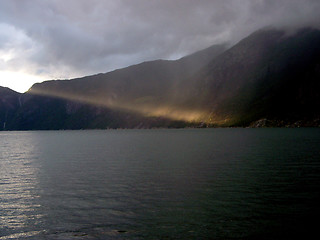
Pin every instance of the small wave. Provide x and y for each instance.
(19, 235)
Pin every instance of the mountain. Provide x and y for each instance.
(269, 74)
(126, 98)
(149, 88)
(9, 102)
(270, 78)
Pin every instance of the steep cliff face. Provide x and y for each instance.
(269, 75)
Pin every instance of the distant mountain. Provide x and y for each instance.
(270, 78)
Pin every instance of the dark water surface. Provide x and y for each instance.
(160, 184)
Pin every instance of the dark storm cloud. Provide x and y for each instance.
(67, 38)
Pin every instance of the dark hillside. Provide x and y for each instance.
(266, 75)
(9, 102)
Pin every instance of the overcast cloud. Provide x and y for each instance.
(69, 38)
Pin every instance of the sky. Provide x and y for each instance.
(62, 39)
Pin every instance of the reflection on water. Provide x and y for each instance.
(159, 184)
(18, 183)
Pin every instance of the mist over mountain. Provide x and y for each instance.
(269, 75)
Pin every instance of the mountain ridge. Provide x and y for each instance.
(268, 75)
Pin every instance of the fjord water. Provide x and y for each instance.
(159, 184)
